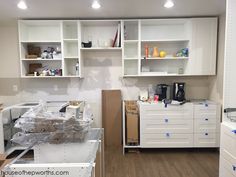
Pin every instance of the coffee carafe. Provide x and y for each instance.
(178, 91)
(163, 91)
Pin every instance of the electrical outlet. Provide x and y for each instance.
(15, 88)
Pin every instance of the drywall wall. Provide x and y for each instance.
(87, 89)
(100, 73)
(9, 66)
(216, 82)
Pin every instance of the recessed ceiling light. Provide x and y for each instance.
(168, 4)
(96, 4)
(22, 5)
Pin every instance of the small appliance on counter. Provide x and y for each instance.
(87, 44)
(163, 91)
(178, 91)
(143, 95)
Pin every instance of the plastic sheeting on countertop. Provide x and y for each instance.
(41, 126)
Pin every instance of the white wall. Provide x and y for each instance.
(216, 82)
(9, 66)
(100, 73)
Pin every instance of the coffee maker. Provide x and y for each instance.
(178, 91)
(163, 91)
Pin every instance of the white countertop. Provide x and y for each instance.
(177, 103)
(230, 124)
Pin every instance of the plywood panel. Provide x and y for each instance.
(111, 117)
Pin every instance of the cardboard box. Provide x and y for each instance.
(132, 128)
(33, 67)
(132, 122)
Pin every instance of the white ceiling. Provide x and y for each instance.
(109, 9)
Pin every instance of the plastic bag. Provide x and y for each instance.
(87, 113)
(29, 139)
(41, 126)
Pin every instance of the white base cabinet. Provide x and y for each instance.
(172, 126)
(206, 125)
(228, 150)
(169, 126)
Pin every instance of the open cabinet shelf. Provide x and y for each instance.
(101, 48)
(40, 31)
(166, 58)
(40, 41)
(39, 59)
(101, 33)
(127, 40)
(48, 35)
(155, 34)
(166, 40)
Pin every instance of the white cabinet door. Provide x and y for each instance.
(202, 59)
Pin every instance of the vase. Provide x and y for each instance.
(155, 52)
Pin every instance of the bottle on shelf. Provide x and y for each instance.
(155, 52)
(125, 33)
(77, 68)
(146, 51)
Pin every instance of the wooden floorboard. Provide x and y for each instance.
(162, 163)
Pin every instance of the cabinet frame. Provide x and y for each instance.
(191, 65)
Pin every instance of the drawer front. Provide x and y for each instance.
(160, 114)
(173, 125)
(228, 162)
(205, 108)
(206, 139)
(226, 170)
(228, 139)
(166, 140)
(206, 125)
(161, 106)
(206, 114)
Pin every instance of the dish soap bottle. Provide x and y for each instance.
(77, 68)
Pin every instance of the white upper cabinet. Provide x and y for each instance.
(40, 31)
(203, 47)
(165, 30)
(230, 57)
(183, 47)
(148, 47)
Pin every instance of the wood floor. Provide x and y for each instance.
(162, 163)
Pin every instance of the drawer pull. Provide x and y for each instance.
(234, 131)
(166, 120)
(168, 134)
(206, 119)
(206, 134)
(234, 167)
(206, 105)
